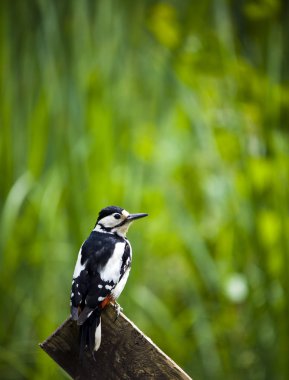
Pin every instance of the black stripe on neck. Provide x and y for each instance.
(107, 229)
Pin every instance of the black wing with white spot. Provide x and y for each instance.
(89, 290)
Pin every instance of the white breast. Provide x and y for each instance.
(111, 271)
(119, 287)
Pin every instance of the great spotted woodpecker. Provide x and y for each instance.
(101, 272)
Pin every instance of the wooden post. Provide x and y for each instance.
(125, 353)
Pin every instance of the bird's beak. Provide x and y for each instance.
(132, 217)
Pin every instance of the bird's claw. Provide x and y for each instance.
(117, 309)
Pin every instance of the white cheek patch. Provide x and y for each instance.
(108, 221)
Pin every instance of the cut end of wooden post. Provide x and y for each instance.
(125, 352)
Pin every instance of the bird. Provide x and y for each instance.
(101, 272)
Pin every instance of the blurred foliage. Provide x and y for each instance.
(178, 109)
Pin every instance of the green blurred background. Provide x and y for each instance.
(175, 108)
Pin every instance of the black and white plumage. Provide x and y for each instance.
(101, 272)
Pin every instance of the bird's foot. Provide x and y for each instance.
(117, 309)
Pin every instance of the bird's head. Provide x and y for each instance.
(115, 220)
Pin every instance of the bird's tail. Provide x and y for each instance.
(90, 333)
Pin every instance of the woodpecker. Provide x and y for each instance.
(101, 272)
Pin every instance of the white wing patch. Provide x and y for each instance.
(111, 271)
(78, 266)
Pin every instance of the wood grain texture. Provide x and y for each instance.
(125, 353)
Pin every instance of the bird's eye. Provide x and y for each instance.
(117, 216)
